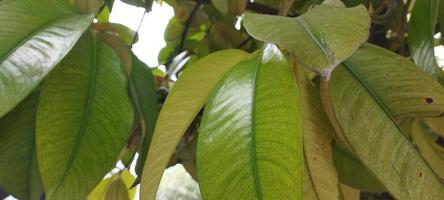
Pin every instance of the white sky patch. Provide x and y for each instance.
(151, 32)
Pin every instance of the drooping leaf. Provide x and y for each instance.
(320, 39)
(421, 29)
(364, 114)
(250, 138)
(83, 120)
(143, 95)
(19, 174)
(318, 142)
(430, 151)
(34, 37)
(353, 173)
(183, 103)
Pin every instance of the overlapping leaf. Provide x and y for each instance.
(430, 151)
(185, 100)
(83, 120)
(250, 139)
(19, 174)
(364, 110)
(320, 169)
(34, 37)
(320, 39)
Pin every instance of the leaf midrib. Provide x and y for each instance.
(253, 132)
(310, 32)
(86, 114)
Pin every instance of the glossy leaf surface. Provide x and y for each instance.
(250, 139)
(320, 39)
(34, 37)
(184, 101)
(83, 120)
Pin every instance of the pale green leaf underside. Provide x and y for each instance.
(250, 139)
(83, 120)
(34, 37)
(320, 39)
(19, 174)
(421, 29)
(365, 119)
(320, 172)
(397, 83)
(184, 101)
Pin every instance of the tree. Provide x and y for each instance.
(308, 99)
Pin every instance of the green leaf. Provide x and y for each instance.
(398, 83)
(143, 94)
(362, 98)
(83, 120)
(430, 151)
(34, 37)
(116, 187)
(421, 28)
(353, 173)
(318, 143)
(320, 39)
(250, 138)
(19, 174)
(117, 191)
(183, 103)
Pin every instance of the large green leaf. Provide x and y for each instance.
(364, 110)
(421, 28)
(83, 120)
(320, 39)
(250, 138)
(34, 37)
(320, 169)
(19, 174)
(183, 103)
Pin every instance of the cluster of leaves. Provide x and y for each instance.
(296, 106)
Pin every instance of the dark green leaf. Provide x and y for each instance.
(19, 174)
